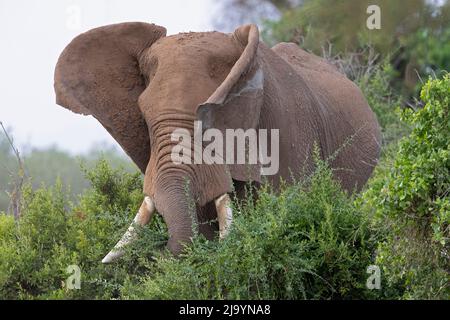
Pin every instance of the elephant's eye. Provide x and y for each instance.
(219, 67)
(146, 80)
(149, 69)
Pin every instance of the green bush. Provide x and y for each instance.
(54, 233)
(430, 51)
(344, 23)
(412, 204)
(49, 164)
(307, 242)
(385, 103)
(416, 36)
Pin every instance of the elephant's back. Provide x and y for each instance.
(304, 61)
(353, 135)
(336, 93)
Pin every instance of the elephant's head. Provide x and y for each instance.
(142, 85)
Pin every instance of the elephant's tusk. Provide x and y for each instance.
(224, 214)
(143, 217)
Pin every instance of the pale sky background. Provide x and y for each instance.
(34, 32)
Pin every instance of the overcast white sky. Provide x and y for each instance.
(34, 32)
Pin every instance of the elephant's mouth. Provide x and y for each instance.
(183, 193)
(221, 204)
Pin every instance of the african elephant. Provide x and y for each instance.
(141, 85)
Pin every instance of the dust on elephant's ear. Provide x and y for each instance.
(236, 103)
(98, 74)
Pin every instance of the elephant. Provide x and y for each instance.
(141, 85)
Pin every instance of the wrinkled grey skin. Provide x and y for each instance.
(141, 85)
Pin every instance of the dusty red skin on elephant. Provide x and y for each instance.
(142, 85)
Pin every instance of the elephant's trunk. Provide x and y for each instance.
(178, 190)
(179, 212)
(175, 202)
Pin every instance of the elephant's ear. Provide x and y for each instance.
(98, 74)
(236, 103)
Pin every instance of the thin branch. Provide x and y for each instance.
(16, 194)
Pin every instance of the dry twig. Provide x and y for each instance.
(16, 193)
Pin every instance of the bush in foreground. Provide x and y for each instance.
(54, 233)
(411, 201)
(308, 241)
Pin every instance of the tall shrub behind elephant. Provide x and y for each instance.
(141, 86)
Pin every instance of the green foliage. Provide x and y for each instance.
(48, 165)
(306, 242)
(385, 103)
(55, 233)
(343, 23)
(429, 50)
(415, 35)
(309, 241)
(411, 200)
